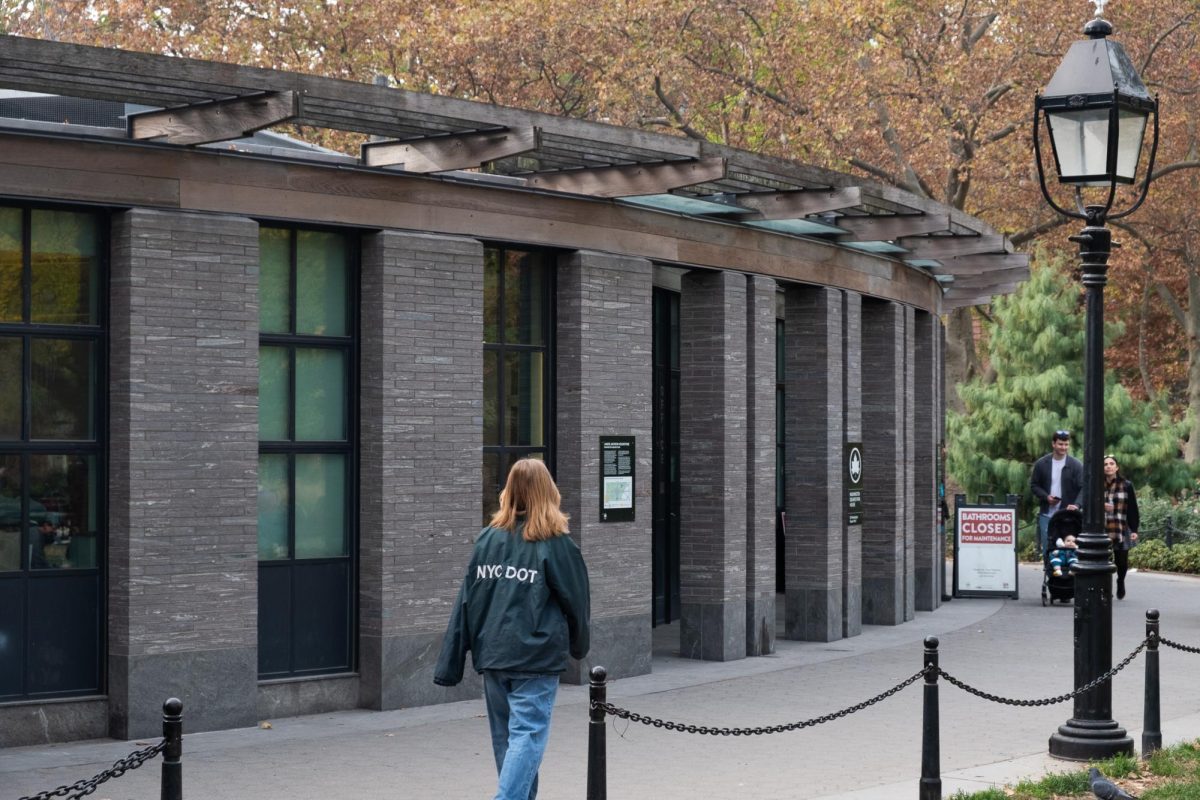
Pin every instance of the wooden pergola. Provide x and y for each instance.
(202, 102)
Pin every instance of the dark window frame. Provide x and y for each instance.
(549, 312)
(350, 447)
(25, 447)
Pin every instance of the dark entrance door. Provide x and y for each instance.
(666, 457)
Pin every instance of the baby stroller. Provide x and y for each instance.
(1059, 587)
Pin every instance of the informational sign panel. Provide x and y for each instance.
(985, 551)
(616, 478)
(854, 483)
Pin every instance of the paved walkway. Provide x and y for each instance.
(1012, 648)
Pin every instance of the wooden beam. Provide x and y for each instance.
(980, 291)
(452, 150)
(217, 120)
(990, 278)
(887, 228)
(938, 247)
(797, 204)
(630, 180)
(980, 264)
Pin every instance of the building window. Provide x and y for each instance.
(307, 452)
(52, 458)
(517, 364)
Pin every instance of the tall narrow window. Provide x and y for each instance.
(517, 364)
(52, 437)
(306, 468)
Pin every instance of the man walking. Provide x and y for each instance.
(1057, 483)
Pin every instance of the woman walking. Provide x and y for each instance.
(1121, 518)
(523, 606)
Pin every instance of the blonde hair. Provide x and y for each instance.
(530, 492)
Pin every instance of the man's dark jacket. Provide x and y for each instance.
(523, 607)
(1072, 482)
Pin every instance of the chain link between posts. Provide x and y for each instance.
(705, 730)
(1178, 646)
(1048, 701)
(83, 788)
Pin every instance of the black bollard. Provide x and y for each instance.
(931, 759)
(172, 767)
(1151, 723)
(597, 768)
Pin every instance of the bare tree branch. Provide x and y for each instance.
(1024, 236)
(1176, 167)
(680, 123)
(749, 85)
(878, 172)
(1162, 38)
(1004, 132)
(980, 30)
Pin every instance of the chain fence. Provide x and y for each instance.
(705, 730)
(1048, 701)
(83, 788)
(1178, 646)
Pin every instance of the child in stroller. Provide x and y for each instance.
(1057, 581)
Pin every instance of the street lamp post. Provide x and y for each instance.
(1096, 109)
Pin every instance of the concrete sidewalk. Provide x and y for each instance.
(1011, 648)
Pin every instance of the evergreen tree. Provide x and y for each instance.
(1035, 386)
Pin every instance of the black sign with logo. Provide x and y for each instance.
(854, 483)
(616, 478)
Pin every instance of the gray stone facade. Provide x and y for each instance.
(183, 428)
(712, 423)
(604, 382)
(886, 396)
(815, 492)
(852, 414)
(927, 549)
(421, 431)
(760, 465)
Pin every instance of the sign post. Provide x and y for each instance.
(985, 550)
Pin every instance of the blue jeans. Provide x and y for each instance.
(1043, 532)
(519, 707)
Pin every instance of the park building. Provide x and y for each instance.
(257, 397)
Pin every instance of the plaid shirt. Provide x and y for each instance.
(1115, 521)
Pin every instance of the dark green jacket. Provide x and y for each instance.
(523, 607)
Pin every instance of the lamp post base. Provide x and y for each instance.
(1090, 740)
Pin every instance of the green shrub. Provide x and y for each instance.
(1151, 554)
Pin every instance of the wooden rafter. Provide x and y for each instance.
(216, 120)
(938, 247)
(800, 203)
(887, 228)
(990, 278)
(981, 264)
(444, 152)
(628, 180)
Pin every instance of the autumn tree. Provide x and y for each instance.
(1035, 341)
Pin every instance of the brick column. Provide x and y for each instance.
(814, 493)
(760, 465)
(885, 496)
(183, 409)
(852, 379)
(924, 491)
(421, 432)
(939, 377)
(907, 520)
(712, 424)
(604, 382)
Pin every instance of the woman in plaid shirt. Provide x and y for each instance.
(1120, 518)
